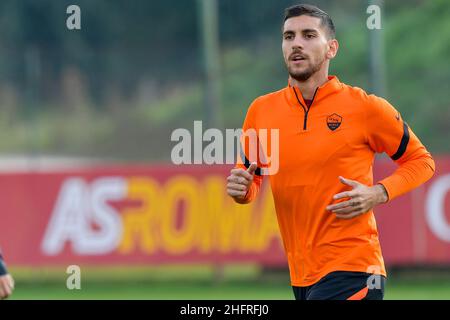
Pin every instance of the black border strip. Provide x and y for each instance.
(247, 164)
(403, 143)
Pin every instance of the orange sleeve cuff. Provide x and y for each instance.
(252, 192)
(408, 176)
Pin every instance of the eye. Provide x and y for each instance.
(288, 37)
(309, 36)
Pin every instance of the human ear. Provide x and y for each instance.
(333, 46)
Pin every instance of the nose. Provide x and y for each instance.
(297, 43)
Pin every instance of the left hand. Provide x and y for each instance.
(6, 286)
(362, 199)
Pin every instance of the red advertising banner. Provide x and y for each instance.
(179, 214)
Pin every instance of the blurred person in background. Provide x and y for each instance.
(6, 280)
(324, 194)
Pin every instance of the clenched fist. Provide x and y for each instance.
(6, 286)
(239, 182)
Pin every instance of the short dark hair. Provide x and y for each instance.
(312, 11)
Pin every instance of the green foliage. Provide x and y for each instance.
(418, 47)
(118, 87)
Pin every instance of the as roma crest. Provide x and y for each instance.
(334, 121)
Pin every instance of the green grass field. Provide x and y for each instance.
(180, 283)
(205, 291)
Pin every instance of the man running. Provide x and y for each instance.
(324, 194)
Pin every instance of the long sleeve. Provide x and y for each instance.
(3, 269)
(387, 132)
(253, 191)
(249, 152)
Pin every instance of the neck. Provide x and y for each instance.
(308, 87)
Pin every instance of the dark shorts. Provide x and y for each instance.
(344, 285)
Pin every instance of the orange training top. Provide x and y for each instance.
(338, 135)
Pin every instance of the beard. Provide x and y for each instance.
(307, 73)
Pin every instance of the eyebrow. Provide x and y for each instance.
(288, 32)
(310, 30)
(303, 31)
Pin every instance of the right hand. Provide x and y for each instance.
(6, 286)
(240, 180)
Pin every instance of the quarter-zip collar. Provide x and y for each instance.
(331, 86)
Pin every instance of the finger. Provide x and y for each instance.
(346, 210)
(236, 193)
(237, 187)
(348, 182)
(345, 194)
(7, 292)
(344, 204)
(239, 180)
(251, 170)
(235, 179)
(241, 173)
(349, 216)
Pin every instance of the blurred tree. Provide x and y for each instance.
(136, 68)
